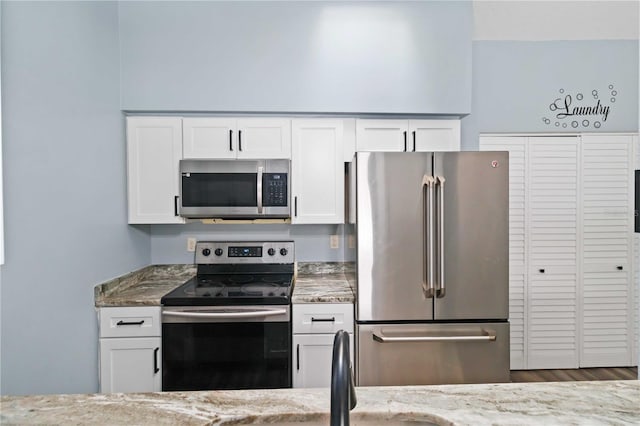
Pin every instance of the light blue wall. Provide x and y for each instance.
(324, 56)
(64, 188)
(514, 82)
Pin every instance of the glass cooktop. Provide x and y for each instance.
(232, 289)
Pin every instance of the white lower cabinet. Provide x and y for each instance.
(130, 349)
(314, 328)
(130, 364)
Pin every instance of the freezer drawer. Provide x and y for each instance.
(426, 354)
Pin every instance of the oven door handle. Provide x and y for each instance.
(226, 315)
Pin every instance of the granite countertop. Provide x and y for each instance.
(144, 287)
(328, 282)
(566, 403)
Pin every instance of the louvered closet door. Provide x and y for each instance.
(517, 260)
(607, 218)
(553, 184)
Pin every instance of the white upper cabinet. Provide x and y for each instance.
(435, 135)
(209, 138)
(407, 135)
(231, 138)
(154, 149)
(381, 135)
(317, 168)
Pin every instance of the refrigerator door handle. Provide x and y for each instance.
(440, 291)
(428, 285)
(486, 336)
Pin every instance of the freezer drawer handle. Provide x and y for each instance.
(332, 319)
(405, 339)
(240, 314)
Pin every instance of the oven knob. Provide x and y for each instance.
(218, 252)
(271, 251)
(283, 251)
(206, 252)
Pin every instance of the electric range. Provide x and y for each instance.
(229, 327)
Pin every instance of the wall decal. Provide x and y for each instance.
(580, 110)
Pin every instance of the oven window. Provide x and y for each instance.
(209, 356)
(220, 190)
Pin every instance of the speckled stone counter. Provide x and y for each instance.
(142, 287)
(564, 403)
(326, 282)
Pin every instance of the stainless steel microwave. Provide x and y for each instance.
(240, 189)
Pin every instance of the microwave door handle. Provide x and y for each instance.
(259, 188)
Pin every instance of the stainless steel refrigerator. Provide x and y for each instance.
(432, 268)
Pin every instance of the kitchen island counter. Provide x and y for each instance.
(604, 402)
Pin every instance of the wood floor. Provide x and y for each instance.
(620, 373)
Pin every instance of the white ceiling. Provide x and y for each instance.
(556, 20)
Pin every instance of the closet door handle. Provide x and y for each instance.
(298, 357)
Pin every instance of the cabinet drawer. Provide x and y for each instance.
(322, 318)
(130, 321)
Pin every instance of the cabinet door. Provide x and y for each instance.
(154, 149)
(382, 135)
(553, 253)
(434, 135)
(130, 365)
(318, 171)
(264, 138)
(607, 242)
(312, 359)
(516, 146)
(208, 137)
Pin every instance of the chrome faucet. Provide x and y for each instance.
(343, 391)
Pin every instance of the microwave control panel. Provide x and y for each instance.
(274, 189)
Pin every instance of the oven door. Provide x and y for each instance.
(210, 348)
(234, 189)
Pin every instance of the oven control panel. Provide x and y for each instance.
(216, 252)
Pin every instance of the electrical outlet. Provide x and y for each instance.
(352, 241)
(334, 242)
(191, 244)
